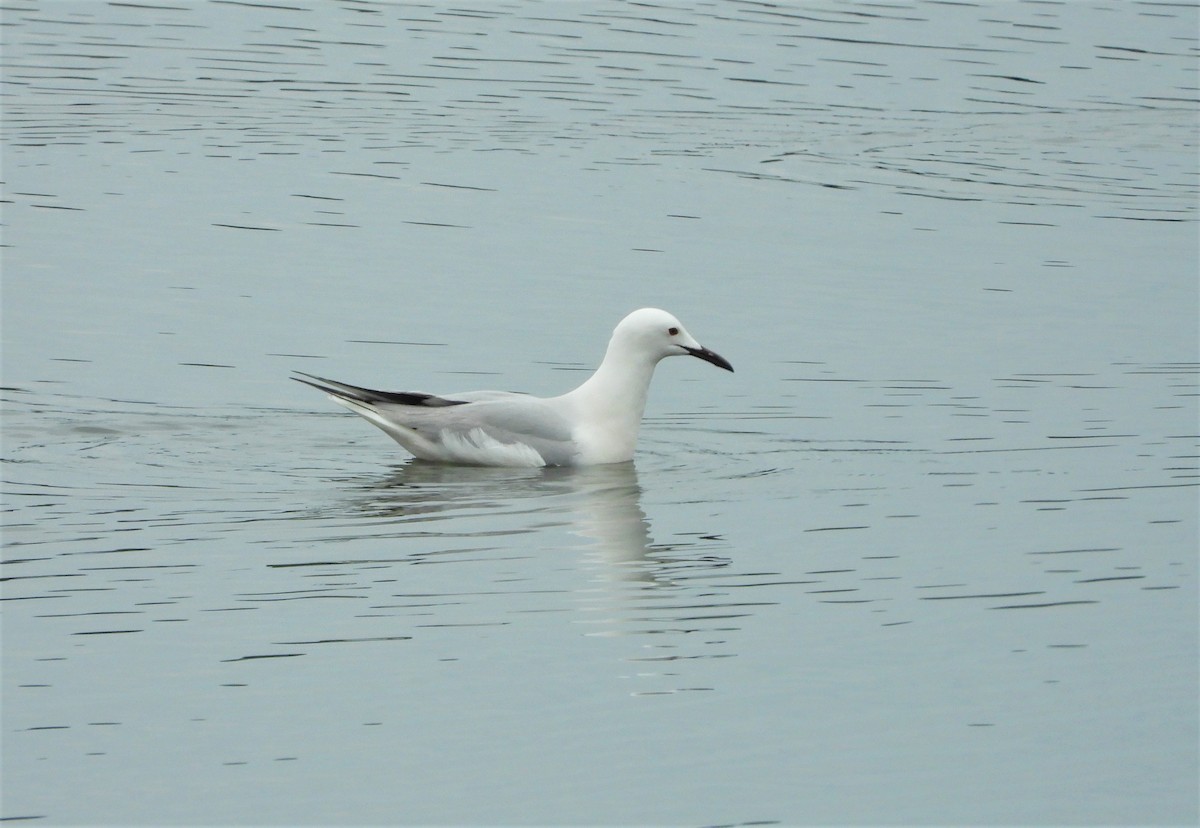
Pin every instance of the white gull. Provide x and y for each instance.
(596, 423)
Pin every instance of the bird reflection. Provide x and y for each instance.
(599, 505)
(657, 595)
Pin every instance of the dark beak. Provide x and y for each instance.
(711, 356)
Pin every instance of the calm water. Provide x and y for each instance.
(928, 557)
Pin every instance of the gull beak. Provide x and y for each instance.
(710, 356)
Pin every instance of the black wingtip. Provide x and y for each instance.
(370, 395)
(337, 389)
(313, 382)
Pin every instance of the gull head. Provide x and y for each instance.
(657, 334)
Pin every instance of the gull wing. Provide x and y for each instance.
(491, 429)
(478, 427)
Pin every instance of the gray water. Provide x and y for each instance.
(928, 557)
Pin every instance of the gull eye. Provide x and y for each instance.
(673, 331)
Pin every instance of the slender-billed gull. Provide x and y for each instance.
(596, 423)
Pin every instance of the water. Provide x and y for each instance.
(929, 556)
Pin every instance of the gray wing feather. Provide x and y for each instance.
(514, 418)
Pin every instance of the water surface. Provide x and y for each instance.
(928, 557)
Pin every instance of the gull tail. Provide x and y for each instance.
(367, 402)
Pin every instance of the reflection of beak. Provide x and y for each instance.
(710, 356)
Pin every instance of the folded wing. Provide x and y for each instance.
(480, 428)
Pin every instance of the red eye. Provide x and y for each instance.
(673, 331)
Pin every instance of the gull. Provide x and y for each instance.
(594, 424)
